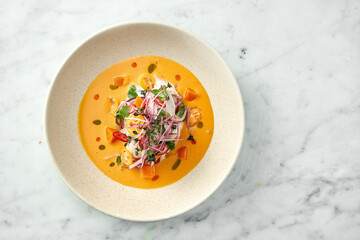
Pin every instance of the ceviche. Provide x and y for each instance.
(151, 119)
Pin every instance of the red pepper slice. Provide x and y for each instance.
(120, 136)
(165, 150)
(159, 103)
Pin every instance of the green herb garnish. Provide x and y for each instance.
(171, 145)
(163, 95)
(132, 92)
(123, 113)
(149, 153)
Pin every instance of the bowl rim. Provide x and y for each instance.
(134, 23)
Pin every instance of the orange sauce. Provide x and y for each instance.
(93, 136)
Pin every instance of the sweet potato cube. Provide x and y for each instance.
(183, 152)
(147, 172)
(190, 94)
(120, 81)
(138, 101)
(109, 135)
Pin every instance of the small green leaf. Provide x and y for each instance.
(151, 68)
(171, 145)
(132, 92)
(123, 112)
(163, 95)
(101, 147)
(149, 153)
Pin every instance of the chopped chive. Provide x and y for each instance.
(101, 147)
(97, 122)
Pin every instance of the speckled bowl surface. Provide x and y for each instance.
(103, 50)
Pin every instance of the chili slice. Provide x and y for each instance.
(159, 103)
(165, 150)
(120, 136)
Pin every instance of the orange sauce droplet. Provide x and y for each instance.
(134, 64)
(98, 139)
(155, 177)
(96, 96)
(177, 77)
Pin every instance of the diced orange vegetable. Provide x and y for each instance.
(121, 81)
(147, 172)
(109, 135)
(138, 101)
(194, 116)
(190, 94)
(183, 152)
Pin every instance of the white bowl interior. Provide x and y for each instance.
(98, 53)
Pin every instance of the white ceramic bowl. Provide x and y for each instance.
(98, 53)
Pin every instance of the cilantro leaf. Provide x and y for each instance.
(143, 92)
(123, 112)
(149, 153)
(171, 145)
(132, 92)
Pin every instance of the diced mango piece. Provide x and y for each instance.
(183, 152)
(194, 116)
(147, 82)
(121, 81)
(147, 172)
(138, 101)
(109, 135)
(190, 94)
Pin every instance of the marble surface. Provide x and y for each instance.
(297, 64)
